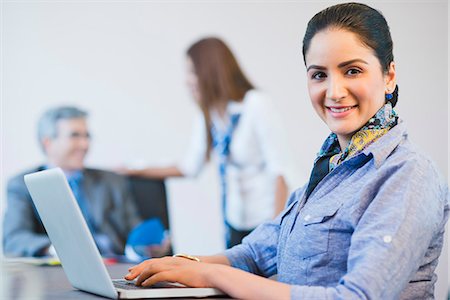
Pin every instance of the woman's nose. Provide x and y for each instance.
(336, 89)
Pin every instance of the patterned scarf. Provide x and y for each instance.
(376, 127)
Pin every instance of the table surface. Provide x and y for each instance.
(53, 283)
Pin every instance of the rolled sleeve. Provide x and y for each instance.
(258, 252)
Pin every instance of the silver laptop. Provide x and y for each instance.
(76, 248)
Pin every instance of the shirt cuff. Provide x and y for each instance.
(240, 258)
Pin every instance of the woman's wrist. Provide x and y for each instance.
(215, 259)
(187, 256)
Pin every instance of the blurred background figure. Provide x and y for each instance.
(240, 129)
(104, 197)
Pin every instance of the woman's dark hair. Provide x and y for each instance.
(220, 77)
(366, 22)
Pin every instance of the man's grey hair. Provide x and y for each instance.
(48, 123)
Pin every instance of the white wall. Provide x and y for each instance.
(124, 63)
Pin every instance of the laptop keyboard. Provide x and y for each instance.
(129, 285)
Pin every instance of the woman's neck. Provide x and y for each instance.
(344, 140)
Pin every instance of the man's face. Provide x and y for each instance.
(70, 146)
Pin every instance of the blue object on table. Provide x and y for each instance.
(148, 233)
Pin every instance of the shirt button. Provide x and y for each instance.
(387, 239)
(307, 218)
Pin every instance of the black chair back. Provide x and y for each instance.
(151, 198)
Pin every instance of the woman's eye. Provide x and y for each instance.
(318, 75)
(353, 71)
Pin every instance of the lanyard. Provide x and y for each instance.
(221, 144)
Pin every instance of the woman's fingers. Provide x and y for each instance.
(134, 271)
(144, 275)
(158, 277)
(152, 269)
(147, 268)
(191, 275)
(131, 276)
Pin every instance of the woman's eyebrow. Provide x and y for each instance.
(315, 67)
(341, 65)
(346, 63)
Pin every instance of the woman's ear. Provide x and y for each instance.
(390, 78)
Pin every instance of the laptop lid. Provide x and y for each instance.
(75, 246)
(69, 232)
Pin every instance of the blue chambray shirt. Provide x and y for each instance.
(372, 229)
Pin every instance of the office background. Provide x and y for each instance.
(124, 62)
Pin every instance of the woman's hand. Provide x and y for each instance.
(236, 283)
(172, 269)
(123, 170)
(150, 172)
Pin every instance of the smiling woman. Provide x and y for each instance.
(344, 81)
(369, 224)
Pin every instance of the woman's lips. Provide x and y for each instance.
(340, 111)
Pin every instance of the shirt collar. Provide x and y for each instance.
(233, 108)
(75, 175)
(70, 175)
(387, 143)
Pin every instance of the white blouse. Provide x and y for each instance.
(258, 155)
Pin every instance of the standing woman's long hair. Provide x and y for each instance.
(220, 79)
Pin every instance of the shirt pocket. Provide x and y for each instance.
(314, 230)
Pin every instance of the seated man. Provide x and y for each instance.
(104, 197)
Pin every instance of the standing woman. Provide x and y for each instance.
(240, 128)
(370, 222)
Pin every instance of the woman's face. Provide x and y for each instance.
(345, 81)
(192, 80)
